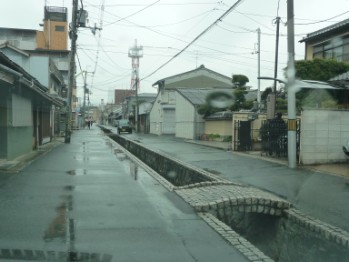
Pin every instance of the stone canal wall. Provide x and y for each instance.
(169, 168)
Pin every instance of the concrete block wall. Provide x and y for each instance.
(323, 133)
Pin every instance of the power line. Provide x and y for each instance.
(124, 18)
(321, 21)
(253, 31)
(77, 56)
(254, 20)
(104, 69)
(98, 41)
(179, 38)
(163, 4)
(182, 21)
(106, 54)
(196, 38)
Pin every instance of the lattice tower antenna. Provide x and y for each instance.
(135, 53)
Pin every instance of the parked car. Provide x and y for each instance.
(123, 125)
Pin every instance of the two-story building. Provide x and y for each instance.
(329, 42)
(324, 131)
(43, 53)
(25, 108)
(163, 117)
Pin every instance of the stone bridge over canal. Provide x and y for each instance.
(224, 198)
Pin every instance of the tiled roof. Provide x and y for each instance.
(338, 26)
(341, 77)
(202, 67)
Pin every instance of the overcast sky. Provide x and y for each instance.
(164, 27)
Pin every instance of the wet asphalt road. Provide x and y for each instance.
(87, 196)
(320, 195)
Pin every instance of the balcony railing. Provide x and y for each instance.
(56, 13)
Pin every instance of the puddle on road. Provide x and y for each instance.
(117, 150)
(130, 166)
(82, 158)
(62, 228)
(110, 145)
(77, 172)
(120, 155)
(59, 226)
(69, 188)
(133, 170)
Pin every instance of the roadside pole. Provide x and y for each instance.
(259, 71)
(137, 103)
(84, 101)
(73, 36)
(291, 89)
(273, 109)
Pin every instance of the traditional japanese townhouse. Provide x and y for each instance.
(25, 109)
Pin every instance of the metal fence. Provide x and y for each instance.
(274, 139)
(270, 138)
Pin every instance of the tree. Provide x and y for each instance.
(240, 100)
(240, 80)
(319, 69)
(207, 109)
(266, 92)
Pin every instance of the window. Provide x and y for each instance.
(318, 48)
(59, 28)
(336, 48)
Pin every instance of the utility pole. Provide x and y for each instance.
(73, 36)
(277, 21)
(259, 70)
(84, 103)
(86, 92)
(291, 90)
(273, 97)
(135, 53)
